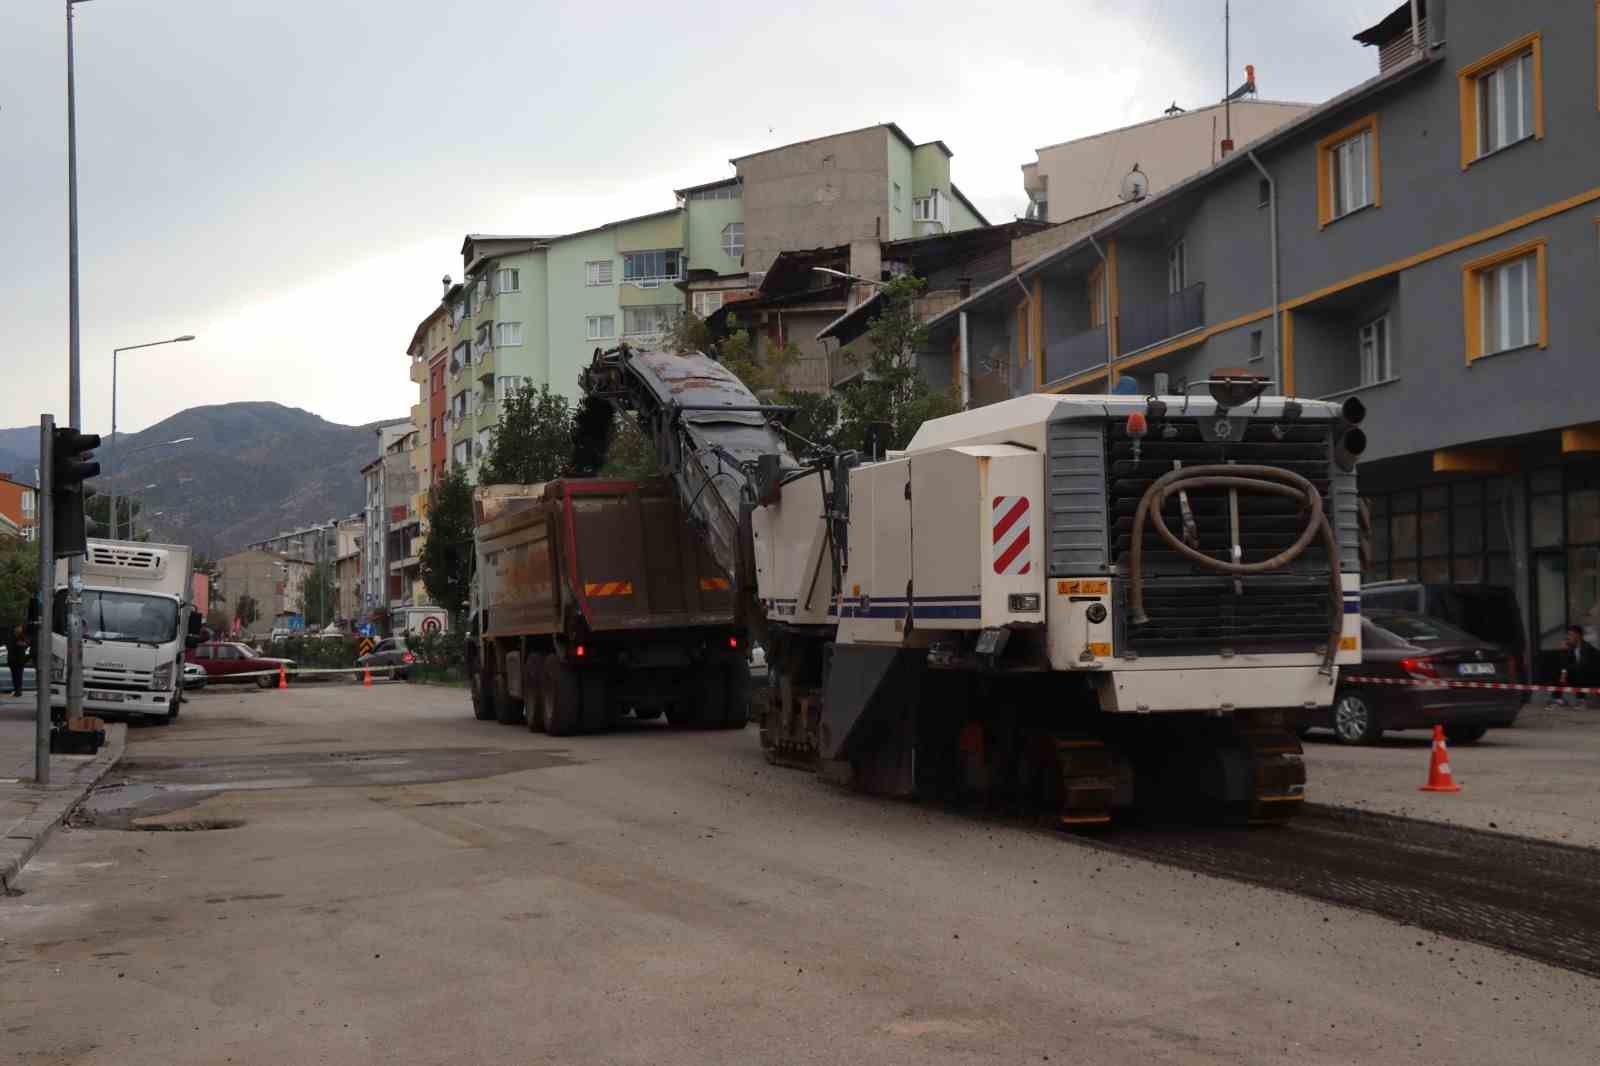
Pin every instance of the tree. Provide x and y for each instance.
(447, 553)
(736, 351)
(246, 611)
(631, 454)
(97, 510)
(19, 579)
(533, 442)
(317, 596)
(884, 410)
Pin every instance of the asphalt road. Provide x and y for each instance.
(355, 875)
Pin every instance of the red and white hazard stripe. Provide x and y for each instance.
(1011, 549)
(1502, 686)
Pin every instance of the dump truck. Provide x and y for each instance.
(1088, 602)
(593, 598)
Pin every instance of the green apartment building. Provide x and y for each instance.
(531, 309)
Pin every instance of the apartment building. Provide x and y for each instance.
(1087, 174)
(1436, 256)
(390, 525)
(531, 309)
(274, 581)
(19, 507)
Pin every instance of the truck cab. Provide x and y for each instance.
(136, 612)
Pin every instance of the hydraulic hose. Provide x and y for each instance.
(1262, 480)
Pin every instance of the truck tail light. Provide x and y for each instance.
(581, 651)
(733, 642)
(1420, 668)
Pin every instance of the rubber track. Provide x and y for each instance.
(1525, 896)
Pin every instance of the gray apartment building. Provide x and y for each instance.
(1427, 241)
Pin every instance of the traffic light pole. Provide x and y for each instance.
(43, 639)
(75, 412)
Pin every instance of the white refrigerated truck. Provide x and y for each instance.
(137, 609)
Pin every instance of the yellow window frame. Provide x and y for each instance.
(1325, 147)
(1472, 292)
(1467, 83)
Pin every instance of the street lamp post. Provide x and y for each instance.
(74, 408)
(114, 353)
(112, 522)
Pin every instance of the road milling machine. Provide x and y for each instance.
(1080, 601)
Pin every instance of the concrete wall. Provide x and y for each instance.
(815, 194)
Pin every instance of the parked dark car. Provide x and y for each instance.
(222, 660)
(1416, 647)
(1488, 612)
(390, 651)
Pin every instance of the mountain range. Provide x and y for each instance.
(252, 470)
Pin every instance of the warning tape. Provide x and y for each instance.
(1501, 686)
(302, 670)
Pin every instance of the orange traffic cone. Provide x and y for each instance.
(283, 676)
(1439, 779)
(366, 677)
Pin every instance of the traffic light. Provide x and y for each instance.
(71, 464)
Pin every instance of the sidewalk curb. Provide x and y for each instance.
(29, 835)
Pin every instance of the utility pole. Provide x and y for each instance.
(74, 404)
(43, 640)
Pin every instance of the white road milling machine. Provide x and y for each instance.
(1078, 601)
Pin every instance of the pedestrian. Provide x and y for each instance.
(17, 656)
(1580, 662)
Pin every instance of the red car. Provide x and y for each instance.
(1417, 647)
(222, 660)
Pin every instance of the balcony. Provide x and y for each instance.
(1142, 326)
(419, 371)
(1081, 351)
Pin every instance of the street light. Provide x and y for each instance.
(74, 618)
(111, 514)
(114, 353)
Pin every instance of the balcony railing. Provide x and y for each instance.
(1068, 355)
(1141, 326)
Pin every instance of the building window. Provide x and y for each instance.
(731, 191)
(508, 334)
(1348, 170)
(648, 321)
(598, 272)
(460, 357)
(1177, 267)
(707, 303)
(508, 280)
(482, 443)
(895, 203)
(1506, 300)
(1255, 346)
(462, 453)
(1502, 99)
(602, 327)
(1374, 346)
(733, 239)
(652, 267)
(507, 385)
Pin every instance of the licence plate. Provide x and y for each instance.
(105, 697)
(1475, 668)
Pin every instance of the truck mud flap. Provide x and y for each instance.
(865, 686)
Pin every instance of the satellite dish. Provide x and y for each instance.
(1135, 185)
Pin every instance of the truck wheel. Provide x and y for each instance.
(483, 697)
(561, 699)
(595, 703)
(533, 692)
(507, 711)
(711, 699)
(736, 706)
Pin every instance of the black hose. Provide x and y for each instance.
(1267, 480)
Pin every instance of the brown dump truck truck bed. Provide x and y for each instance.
(618, 553)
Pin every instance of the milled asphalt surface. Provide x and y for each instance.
(404, 884)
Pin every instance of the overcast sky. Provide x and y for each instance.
(288, 179)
